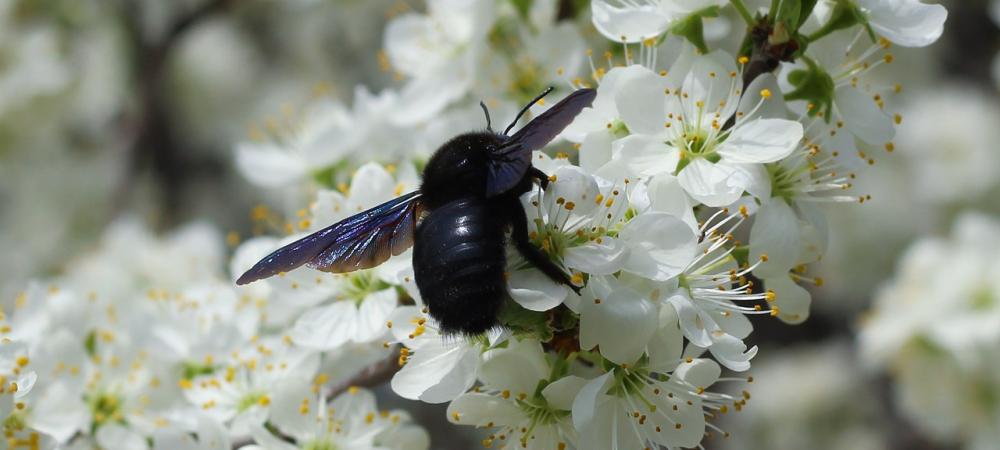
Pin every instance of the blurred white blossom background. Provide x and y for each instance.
(784, 216)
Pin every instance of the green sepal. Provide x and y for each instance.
(90, 343)
(741, 254)
(787, 15)
(845, 15)
(523, 7)
(692, 28)
(804, 12)
(814, 85)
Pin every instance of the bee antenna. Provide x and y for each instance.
(526, 107)
(489, 126)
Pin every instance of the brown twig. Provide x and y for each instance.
(374, 375)
(147, 132)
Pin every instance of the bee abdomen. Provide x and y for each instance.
(459, 263)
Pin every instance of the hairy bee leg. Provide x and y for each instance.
(543, 179)
(519, 223)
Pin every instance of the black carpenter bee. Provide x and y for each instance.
(457, 223)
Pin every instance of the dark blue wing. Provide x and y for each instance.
(361, 241)
(510, 163)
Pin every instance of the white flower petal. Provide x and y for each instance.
(645, 156)
(762, 141)
(481, 409)
(373, 313)
(791, 299)
(862, 117)
(535, 291)
(691, 321)
(665, 348)
(667, 195)
(269, 166)
(116, 437)
(814, 233)
(326, 327)
(59, 413)
(910, 23)
(572, 184)
(775, 232)
(595, 151)
(640, 100)
(516, 368)
(371, 185)
(714, 185)
(731, 352)
(604, 258)
(426, 96)
(561, 393)
(660, 245)
(630, 24)
(437, 373)
(602, 324)
(699, 372)
(753, 105)
(691, 418)
(587, 401)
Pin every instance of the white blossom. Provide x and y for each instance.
(349, 421)
(631, 22)
(910, 23)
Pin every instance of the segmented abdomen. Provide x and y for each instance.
(459, 263)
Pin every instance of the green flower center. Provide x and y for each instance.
(251, 399)
(319, 445)
(983, 299)
(14, 422)
(695, 143)
(105, 407)
(784, 181)
(361, 284)
(193, 369)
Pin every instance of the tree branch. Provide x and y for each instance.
(147, 133)
(374, 375)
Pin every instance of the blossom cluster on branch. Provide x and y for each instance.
(689, 197)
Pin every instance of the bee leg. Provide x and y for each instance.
(537, 174)
(537, 258)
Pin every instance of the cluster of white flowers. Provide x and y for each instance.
(146, 343)
(684, 200)
(933, 327)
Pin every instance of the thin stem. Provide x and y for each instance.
(744, 12)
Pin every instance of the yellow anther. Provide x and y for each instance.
(765, 93)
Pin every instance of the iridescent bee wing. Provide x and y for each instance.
(511, 162)
(361, 241)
